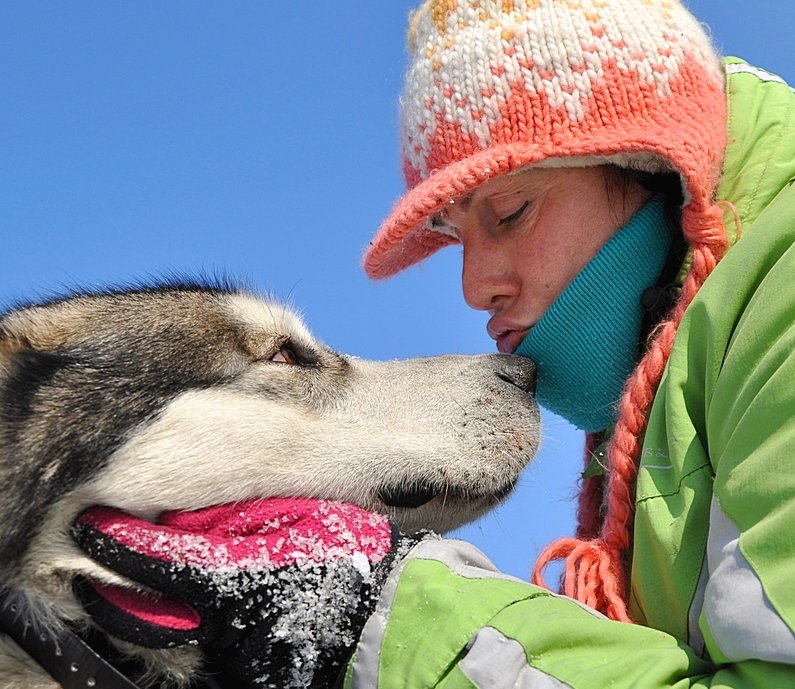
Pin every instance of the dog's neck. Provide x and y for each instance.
(68, 659)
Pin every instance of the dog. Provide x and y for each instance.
(181, 395)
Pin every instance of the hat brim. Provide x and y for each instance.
(404, 238)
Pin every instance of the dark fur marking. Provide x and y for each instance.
(30, 370)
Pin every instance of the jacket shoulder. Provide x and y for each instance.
(760, 156)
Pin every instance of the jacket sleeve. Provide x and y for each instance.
(448, 620)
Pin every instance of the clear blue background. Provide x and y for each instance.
(258, 140)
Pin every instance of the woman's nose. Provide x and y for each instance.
(486, 278)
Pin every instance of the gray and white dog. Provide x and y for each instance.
(184, 395)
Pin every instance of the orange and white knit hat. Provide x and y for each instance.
(497, 85)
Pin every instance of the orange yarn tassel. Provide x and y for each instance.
(590, 575)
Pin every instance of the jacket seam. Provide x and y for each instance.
(638, 501)
(773, 149)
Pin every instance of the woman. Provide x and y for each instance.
(597, 162)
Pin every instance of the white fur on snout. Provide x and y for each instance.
(215, 446)
(389, 423)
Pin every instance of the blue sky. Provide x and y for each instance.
(257, 140)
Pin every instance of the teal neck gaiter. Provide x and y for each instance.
(586, 344)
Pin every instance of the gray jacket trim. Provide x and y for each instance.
(496, 662)
(741, 618)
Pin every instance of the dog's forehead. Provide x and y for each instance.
(265, 315)
(133, 327)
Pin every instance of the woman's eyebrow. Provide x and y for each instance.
(464, 201)
(439, 219)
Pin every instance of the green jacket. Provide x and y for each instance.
(713, 571)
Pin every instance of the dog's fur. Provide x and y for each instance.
(186, 395)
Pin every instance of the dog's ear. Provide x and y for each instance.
(24, 370)
(9, 346)
(31, 329)
(7, 340)
(13, 346)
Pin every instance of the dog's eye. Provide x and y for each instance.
(285, 355)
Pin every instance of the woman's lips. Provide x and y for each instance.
(507, 336)
(507, 343)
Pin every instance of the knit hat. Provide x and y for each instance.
(497, 85)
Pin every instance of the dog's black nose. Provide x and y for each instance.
(517, 370)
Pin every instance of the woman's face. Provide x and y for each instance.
(527, 235)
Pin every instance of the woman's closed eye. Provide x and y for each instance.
(513, 216)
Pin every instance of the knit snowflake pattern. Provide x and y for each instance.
(480, 68)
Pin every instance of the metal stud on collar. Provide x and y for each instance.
(68, 659)
(65, 656)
